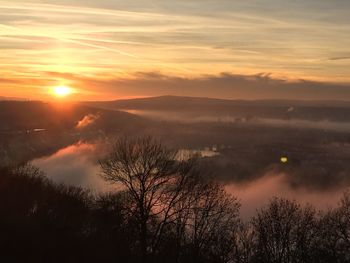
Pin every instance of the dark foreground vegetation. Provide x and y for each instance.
(168, 211)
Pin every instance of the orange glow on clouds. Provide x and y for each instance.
(98, 41)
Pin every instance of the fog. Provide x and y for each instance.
(75, 165)
(87, 121)
(78, 165)
(255, 194)
(303, 124)
(187, 118)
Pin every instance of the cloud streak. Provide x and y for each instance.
(224, 85)
(106, 39)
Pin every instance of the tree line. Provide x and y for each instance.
(165, 211)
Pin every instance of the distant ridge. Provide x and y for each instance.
(26, 115)
(205, 100)
(2, 98)
(313, 110)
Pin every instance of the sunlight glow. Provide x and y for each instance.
(62, 91)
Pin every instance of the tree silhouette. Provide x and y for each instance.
(154, 179)
(284, 232)
(207, 222)
(168, 210)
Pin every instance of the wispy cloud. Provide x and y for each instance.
(224, 85)
(105, 39)
(340, 58)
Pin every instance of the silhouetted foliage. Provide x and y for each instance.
(166, 211)
(334, 233)
(160, 185)
(206, 224)
(39, 219)
(284, 232)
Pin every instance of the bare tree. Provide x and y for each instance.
(207, 222)
(243, 244)
(155, 180)
(284, 232)
(334, 233)
(343, 222)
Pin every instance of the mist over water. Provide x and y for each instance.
(256, 194)
(325, 124)
(77, 165)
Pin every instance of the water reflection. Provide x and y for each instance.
(206, 152)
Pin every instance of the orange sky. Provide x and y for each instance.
(113, 49)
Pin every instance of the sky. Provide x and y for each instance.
(110, 49)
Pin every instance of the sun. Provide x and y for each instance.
(62, 91)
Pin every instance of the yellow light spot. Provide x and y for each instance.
(62, 91)
(284, 159)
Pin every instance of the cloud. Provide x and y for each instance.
(155, 83)
(339, 58)
(292, 39)
(224, 85)
(87, 121)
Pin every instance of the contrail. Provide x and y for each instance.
(73, 41)
(80, 10)
(94, 46)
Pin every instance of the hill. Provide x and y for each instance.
(29, 115)
(33, 129)
(276, 109)
(2, 98)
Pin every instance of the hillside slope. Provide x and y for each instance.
(276, 109)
